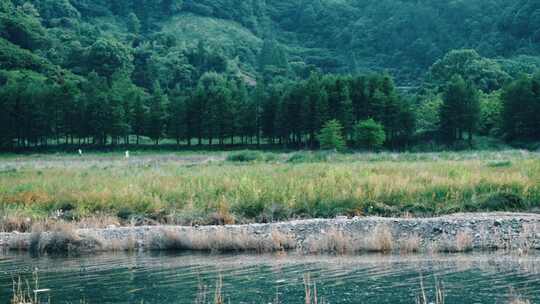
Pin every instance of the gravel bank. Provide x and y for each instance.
(459, 232)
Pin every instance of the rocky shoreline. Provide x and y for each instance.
(453, 233)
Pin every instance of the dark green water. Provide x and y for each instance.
(174, 278)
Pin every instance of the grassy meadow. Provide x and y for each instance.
(249, 186)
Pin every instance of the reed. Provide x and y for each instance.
(220, 239)
(422, 297)
(311, 295)
(28, 292)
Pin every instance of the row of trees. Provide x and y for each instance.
(38, 110)
(367, 111)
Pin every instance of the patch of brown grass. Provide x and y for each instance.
(282, 241)
(333, 241)
(464, 242)
(15, 222)
(98, 221)
(381, 240)
(123, 244)
(220, 239)
(410, 244)
(60, 238)
(167, 239)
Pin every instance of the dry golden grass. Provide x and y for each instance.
(117, 245)
(410, 244)
(342, 242)
(220, 239)
(61, 237)
(282, 241)
(15, 222)
(381, 240)
(19, 223)
(461, 242)
(99, 221)
(333, 241)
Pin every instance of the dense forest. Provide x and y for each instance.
(296, 73)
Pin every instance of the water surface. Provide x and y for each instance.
(176, 278)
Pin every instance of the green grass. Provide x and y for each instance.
(250, 186)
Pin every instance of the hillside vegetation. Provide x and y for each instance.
(237, 71)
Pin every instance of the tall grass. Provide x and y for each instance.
(225, 192)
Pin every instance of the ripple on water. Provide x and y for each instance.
(175, 278)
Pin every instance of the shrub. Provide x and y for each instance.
(331, 137)
(369, 134)
(246, 156)
(308, 157)
(503, 202)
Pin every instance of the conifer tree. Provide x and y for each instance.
(331, 136)
(157, 115)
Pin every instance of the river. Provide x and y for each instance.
(176, 277)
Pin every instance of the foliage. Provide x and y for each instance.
(331, 137)
(521, 105)
(107, 57)
(157, 116)
(369, 134)
(427, 114)
(460, 110)
(490, 119)
(485, 74)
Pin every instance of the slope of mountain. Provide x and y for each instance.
(403, 37)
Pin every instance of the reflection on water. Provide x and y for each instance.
(174, 278)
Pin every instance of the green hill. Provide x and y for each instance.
(239, 69)
(346, 36)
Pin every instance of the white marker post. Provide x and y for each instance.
(80, 152)
(127, 154)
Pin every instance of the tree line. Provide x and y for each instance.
(366, 110)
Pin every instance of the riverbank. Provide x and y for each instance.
(518, 232)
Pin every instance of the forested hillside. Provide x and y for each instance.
(239, 71)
